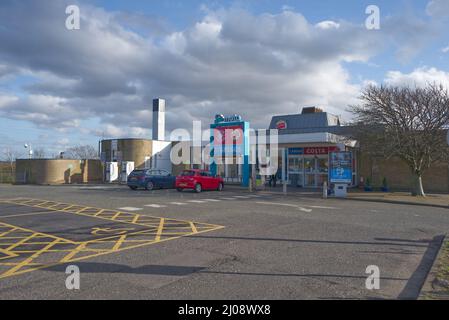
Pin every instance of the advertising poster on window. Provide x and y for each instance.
(340, 165)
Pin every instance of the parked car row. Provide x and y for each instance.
(194, 179)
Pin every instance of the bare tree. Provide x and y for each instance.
(81, 152)
(10, 155)
(404, 122)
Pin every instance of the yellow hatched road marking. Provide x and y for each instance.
(116, 215)
(15, 245)
(99, 212)
(7, 232)
(192, 225)
(155, 230)
(159, 230)
(74, 252)
(8, 253)
(119, 242)
(28, 260)
(27, 214)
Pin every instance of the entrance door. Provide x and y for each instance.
(295, 171)
(309, 172)
(322, 169)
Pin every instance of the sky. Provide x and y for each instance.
(257, 58)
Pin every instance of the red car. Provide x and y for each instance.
(198, 180)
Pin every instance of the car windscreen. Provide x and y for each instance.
(137, 172)
(187, 174)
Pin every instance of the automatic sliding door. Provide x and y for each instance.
(309, 172)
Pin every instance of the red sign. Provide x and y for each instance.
(319, 150)
(228, 135)
(281, 124)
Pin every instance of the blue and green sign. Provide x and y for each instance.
(340, 167)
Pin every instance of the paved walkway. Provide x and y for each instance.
(436, 200)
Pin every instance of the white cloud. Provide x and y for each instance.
(445, 50)
(230, 61)
(328, 25)
(419, 77)
(6, 100)
(438, 8)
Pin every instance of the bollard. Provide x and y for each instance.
(325, 190)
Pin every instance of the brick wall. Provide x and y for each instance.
(399, 177)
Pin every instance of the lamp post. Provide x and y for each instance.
(30, 150)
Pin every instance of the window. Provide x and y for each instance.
(164, 173)
(187, 173)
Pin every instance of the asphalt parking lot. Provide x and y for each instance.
(214, 245)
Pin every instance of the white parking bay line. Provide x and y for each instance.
(227, 198)
(179, 203)
(242, 197)
(196, 201)
(130, 209)
(155, 205)
(321, 207)
(286, 205)
(211, 200)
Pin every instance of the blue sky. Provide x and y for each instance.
(60, 88)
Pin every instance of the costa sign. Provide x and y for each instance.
(319, 150)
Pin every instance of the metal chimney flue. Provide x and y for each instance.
(159, 119)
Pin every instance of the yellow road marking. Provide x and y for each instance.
(192, 225)
(159, 230)
(91, 248)
(116, 215)
(7, 232)
(8, 253)
(99, 212)
(119, 243)
(74, 252)
(27, 261)
(15, 245)
(26, 214)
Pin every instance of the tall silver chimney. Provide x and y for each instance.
(158, 119)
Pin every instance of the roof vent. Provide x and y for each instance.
(307, 110)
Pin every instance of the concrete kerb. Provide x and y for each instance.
(397, 202)
(427, 289)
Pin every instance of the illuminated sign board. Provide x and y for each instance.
(228, 140)
(340, 167)
(219, 118)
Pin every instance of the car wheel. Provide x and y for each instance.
(132, 187)
(220, 187)
(198, 188)
(149, 186)
(179, 189)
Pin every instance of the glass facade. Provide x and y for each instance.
(309, 171)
